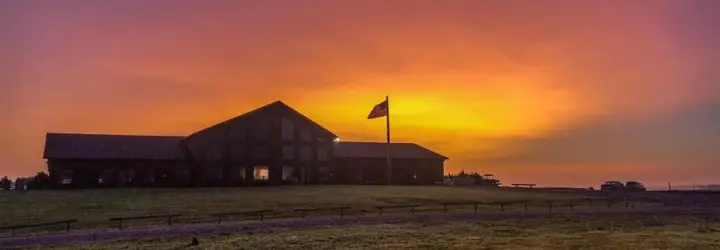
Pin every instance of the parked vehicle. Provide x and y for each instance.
(612, 186)
(634, 186)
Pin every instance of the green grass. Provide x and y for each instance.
(94, 207)
(619, 232)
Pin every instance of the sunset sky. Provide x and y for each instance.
(549, 92)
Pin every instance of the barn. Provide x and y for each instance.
(271, 145)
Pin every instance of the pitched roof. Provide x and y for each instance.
(273, 105)
(102, 146)
(378, 150)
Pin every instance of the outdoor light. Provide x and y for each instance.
(337, 139)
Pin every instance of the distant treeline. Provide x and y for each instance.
(472, 178)
(41, 180)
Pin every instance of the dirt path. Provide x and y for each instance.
(244, 227)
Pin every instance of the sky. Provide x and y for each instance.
(558, 93)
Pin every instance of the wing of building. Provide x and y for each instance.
(273, 144)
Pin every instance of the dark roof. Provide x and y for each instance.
(103, 146)
(273, 105)
(100, 146)
(378, 150)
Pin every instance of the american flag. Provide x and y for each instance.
(379, 110)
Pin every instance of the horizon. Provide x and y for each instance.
(559, 93)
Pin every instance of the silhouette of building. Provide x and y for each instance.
(273, 144)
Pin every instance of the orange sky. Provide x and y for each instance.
(550, 92)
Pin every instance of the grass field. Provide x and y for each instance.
(618, 232)
(94, 207)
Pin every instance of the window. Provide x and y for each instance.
(260, 152)
(305, 153)
(66, 177)
(151, 175)
(322, 154)
(287, 130)
(237, 152)
(324, 173)
(237, 134)
(130, 175)
(261, 131)
(289, 173)
(288, 152)
(241, 174)
(305, 135)
(260, 173)
(214, 154)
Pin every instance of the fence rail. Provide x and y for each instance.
(410, 206)
(304, 211)
(145, 217)
(260, 213)
(14, 228)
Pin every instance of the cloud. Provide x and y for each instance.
(679, 143)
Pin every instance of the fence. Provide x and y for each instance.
(519, 205)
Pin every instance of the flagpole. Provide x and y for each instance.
(387, 145)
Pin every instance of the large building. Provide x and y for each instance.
(273, 144)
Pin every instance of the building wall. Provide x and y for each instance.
(292, 149)
(373, 171)
(118, 173)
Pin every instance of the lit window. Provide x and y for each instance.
(260, 173)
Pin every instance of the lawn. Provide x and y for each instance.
(575, 232)
(93, 207)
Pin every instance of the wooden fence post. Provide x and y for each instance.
(475, 205)
(550, 206)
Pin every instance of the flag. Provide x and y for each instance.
(379, 110)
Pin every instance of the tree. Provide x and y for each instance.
(21, 184)
(5, 183)
(41, 180)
